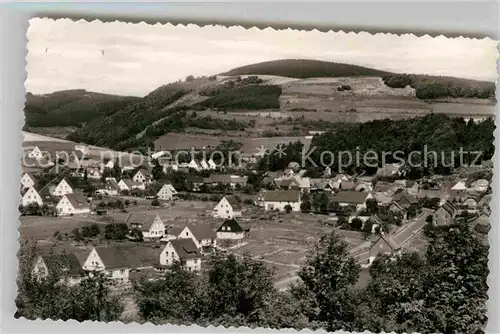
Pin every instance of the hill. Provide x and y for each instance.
(426, 86)
(304, 68)
(70, 107)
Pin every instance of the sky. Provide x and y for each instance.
(134, 59)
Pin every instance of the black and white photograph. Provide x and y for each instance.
(247, 177)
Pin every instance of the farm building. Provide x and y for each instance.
(355, 198)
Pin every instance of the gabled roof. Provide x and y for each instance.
(347, 185)
(202, 231)
(388, 240)
(144, 172)
(405, 196)
(148, 223)
(282, 196)
(351, 197)
(62, 261)
(77, 200)
(113, 257)
(185, 248)
(235, 204)
(235, 227)
(136, 219)
(449, 207)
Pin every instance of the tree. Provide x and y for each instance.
(330, 274)
(77, 236)
(155, 202)
(116, 231)
(157, 170)
(320, 202)
(173, 299)
(357, 224)
(372, 206)
(238, 288)
(288, 208)
(136, 235)
(85, 174)
(189, 78)
(367, 228)
(305, 206)
(90, 231)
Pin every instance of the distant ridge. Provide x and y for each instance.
(305, 68)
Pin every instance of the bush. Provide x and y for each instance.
(288, 208)
(91, 231)
(155, 202)
(357, 224)
(116, 231)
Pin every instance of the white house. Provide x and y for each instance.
(153, 228)
(110, 188)
(32, 196)
(35, 153)
(279, 199)
(111, 260)
(232, 230)
(184, 251)
(202, 235)
(62, 188)
(204, 165)
(72, 204)
(27, 181)
(459, 186)
(66, 263)
(211, 164)
(226, 209)
(142, 176)
(125, 184)
(167, 192)
(193, 164)
(354, 198)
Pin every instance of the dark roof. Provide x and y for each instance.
(235, 204)
(403, 195)
(202, 231)
(225, 179)
(233, 224)
(282, 196)
(347, 185)
(136, 219)
(77, 200)
(388, 240)
(63, 261)
(351, 197)
(185, 248)
(286, 182)
(142, 256)
(448, 206)
(113, 257)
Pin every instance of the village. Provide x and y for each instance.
(129, 224)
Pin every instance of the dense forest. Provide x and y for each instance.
(429, 87)
(71, 107)
(248, 97)
(444, 290)
(305, 68)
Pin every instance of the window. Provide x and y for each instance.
(122, 271)
(172, 254)
(195, 261)
(229, 228)
(186, 234)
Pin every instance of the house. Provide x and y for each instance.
(287, 184)
(347, 185)
(126, 184)
(31, 196)
(153, 228)
(480, 185)
(279, 199)
(376, 222)
(72, 204)
(227, 208)
(202, 235)
(364, 186)
(110, 260)
(383, 245)
(444, 215)
(184, 251)
(167, 192)
(390, 171)
(27, 181)
(354, 198)
(62, 188)
(259, 198)
(204, 165)
(194, 165)
(231, 229)
(67, 264)
(225, 179)
(211, 164)
(405, 200)
(411, 187)
(35, 153)
(320, 184)
(142, 176)
(110, 188)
